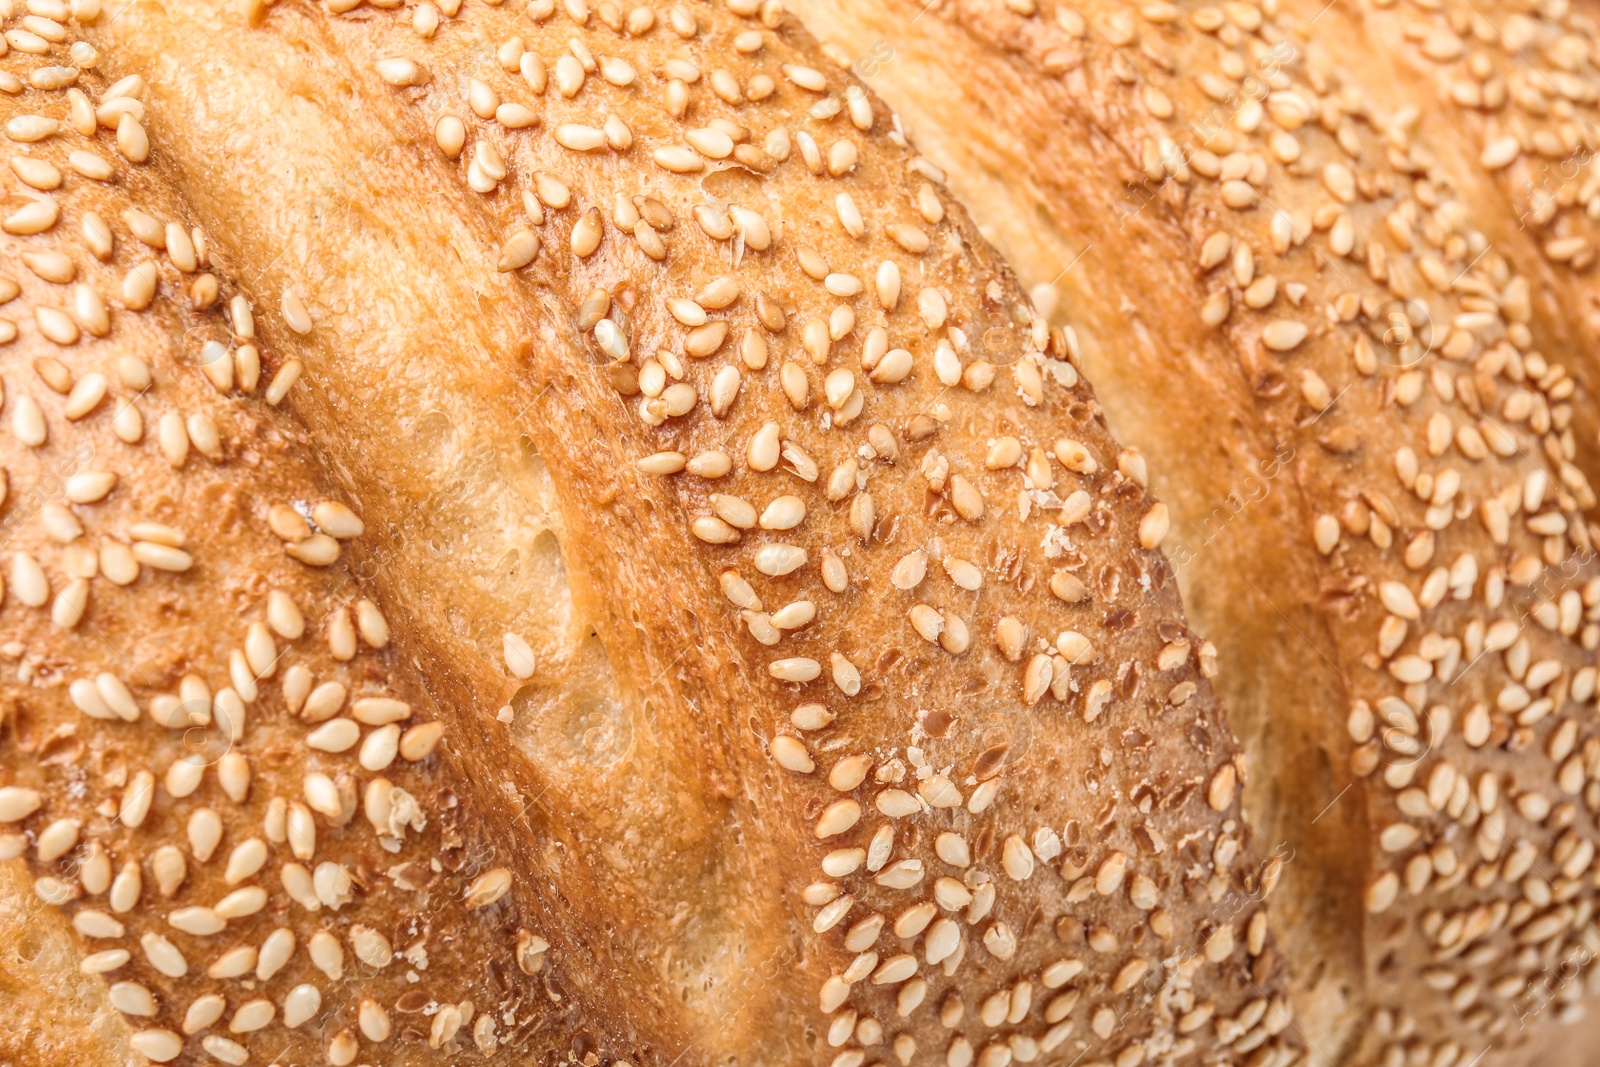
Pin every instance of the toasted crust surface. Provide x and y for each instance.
(219, 761)
(811, 686)
(1301, 297)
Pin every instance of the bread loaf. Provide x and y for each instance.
(650, 587)
(1301, 279)
(217, 761)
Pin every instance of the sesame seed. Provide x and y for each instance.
(162, 557)
(159, 1046)
(450, 134)
(586, 234)
(790, 754)
(418, 743)
(30, 129)
(1153, 527)
(805, 77)
(399, 71)
(318, 550)
(1500, 153)
(797, 669)
(488, 888)
(518, 656)
(580, 138)
(678, 160)
(295, 315)
(380, 711)
(336, 735)
(132, 141)
(839, 816)
(779, 559)
(1220, 790)
(519, 250)
(1283, 335)
(17, 803)
(713, 530)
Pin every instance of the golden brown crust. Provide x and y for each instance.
(1331, 532)
(45, 994)
(218, 760)
(1521, 82)
(1067, 864)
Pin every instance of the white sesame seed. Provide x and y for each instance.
(379, 711)
(1283, 335)
(98, 924)
(323, 702)
(327, 955)
(318, 550)
(302, 1004)
(1500, 153)
(791, 755)
(224, 1050)
(31, 128)
(105, 961)
(335, 735)
(784, 513)
(399, 71)
(1153, 526)
(518, 656)
(798, 669)
(242, 903)
(488, 888)
(89, 165)
(709, 142)
(162, 557)
(163, 955)
(776, 560)
(752, 226)
(805, 77)
(579, 138)
(519, 250)
(839, 816)
(17, 803)
(678, 159)
(418, 743)
(132, 141)
(713, 530)
(246, 859)
(159, 1046)
(131, 998)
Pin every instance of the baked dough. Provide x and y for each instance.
(1368, 401)
(812, 688)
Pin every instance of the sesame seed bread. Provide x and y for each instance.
(219, 760)
(43, 987)
(1302, 296)
(784, 664)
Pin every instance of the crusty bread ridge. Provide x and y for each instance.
(44, 988)
(807, 669)
(1386, 542)
(217, 757)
